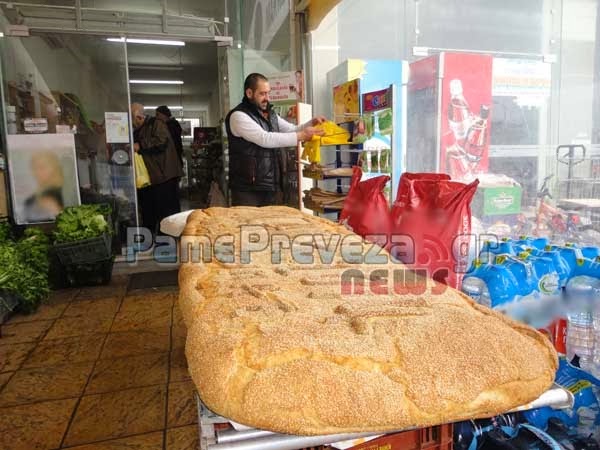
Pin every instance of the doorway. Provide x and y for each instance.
(69, 94)
(66, 103)
(183, 77)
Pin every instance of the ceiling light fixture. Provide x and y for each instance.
(172, 108)
(155, 82)
(147, 41)
(143, 67)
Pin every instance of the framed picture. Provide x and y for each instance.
(43, 176)
(186, 127)
(204, 135)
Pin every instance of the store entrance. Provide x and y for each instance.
(66, 99)
(183, 78)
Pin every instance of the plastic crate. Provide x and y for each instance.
(8, 304)
(84, 251)
(89, 274)
(439, 437)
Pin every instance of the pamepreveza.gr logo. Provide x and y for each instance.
(397, 281)
(428, 257)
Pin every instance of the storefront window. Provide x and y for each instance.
(68, 138)
(519, 78)
(261, 33)
(265, 29)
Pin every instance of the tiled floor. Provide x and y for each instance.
(97, 369)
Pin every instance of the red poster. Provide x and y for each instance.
(465, 114)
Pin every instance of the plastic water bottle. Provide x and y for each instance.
(490, 285)
(583, 323)
(561, 267)
(475, 286)
(591, 252)
(522, 271)
(548, 280)
(537, 243)
(491, 249)
(538, 287)
(477, 289)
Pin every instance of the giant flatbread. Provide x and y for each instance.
(278, 344)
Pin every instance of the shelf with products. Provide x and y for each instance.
(327, 166)
(374, 163)
(324, 202)
(317, 175)
(369, 126)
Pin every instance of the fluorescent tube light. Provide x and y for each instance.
(155, 81)
(172, 108)
(147, 41)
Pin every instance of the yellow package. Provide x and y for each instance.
(334, 135)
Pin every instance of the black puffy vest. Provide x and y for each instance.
(251, 167)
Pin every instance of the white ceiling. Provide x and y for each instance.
(264, 27)
(195, 64)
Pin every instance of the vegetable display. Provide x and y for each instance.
(5, 233)
(82, 222)
(24, 267)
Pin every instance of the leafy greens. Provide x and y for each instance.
(24, 267)
(82, 222)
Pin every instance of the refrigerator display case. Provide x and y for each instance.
(375, 76)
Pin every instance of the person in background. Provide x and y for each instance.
(153, 141)
(163, 113)
(256, 133)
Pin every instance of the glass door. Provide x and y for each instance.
(66, 102)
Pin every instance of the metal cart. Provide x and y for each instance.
(219, 433)
(578, 174)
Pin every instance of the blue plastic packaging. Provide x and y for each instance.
(583, 386)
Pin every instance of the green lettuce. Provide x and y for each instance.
(82, 222)
(24, 268)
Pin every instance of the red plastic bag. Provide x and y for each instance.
(431, 222)
(366, 210)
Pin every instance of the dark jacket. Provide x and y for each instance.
(175, 131)
(158, 150)
(251, 167)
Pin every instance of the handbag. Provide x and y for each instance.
(142, 178)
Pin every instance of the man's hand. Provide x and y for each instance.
(318, 120)
(307, 134)
(136, 147)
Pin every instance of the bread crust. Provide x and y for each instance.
(279, 347)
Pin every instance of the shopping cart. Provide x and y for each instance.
(578, 175)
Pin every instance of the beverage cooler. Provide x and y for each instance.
(448, 121)
(375, 76)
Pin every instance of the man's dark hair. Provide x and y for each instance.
(252, 81)
(164, 109)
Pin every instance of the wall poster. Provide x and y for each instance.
(43, 176)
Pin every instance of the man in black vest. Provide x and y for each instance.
(256, 133)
